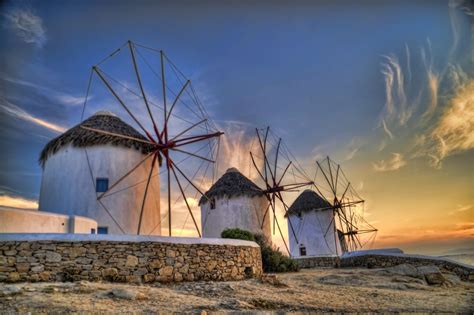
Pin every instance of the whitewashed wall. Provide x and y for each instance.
(31, 221)
(67, 187)
(238, 212)
(310, 230)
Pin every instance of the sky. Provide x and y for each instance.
(386, 88)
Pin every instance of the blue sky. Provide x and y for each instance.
(372, 84)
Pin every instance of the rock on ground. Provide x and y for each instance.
(308, 291)
(126, 294)
(404, 270)
(432, 274)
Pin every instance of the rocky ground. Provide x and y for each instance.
(398, 289)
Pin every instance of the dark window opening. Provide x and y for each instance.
(302, 250)
(101, 184)
(92, 231)
(213, 203)
(102, 230)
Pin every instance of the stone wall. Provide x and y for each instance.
(316, 262)
(465, 272)
(132, 259)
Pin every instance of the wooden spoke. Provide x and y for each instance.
(104, 194)
(116, 135)
(331, 177)
(188, 129)
(193, 139)
(176, 100)
(186, 201)
(193, 154)
(137, 73)
(146, 192)
(276, 159)
(325, 176)
(345, 191)
(279, 196)
(265, 214)
(109, 87)
(274, 216)
(279, 229)
(168, 166)
(329, 226)
(337, 176)
(258, 171)
(284, 172)
(163, 86)
(187, 179)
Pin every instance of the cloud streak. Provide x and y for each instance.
(18, 202)
(60, 97)
(455, 130)
(436, 110)
(394, 163)
(433, 80)
(27, 26)
(18, 113)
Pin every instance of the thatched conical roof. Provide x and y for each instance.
(102, 120)
(308, 200)
(232, 184)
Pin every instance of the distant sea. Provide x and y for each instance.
(462, 258)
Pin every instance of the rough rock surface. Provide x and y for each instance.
(373, 290)
(463, 271)
(404, 270)
(118, 261)
(432, 274)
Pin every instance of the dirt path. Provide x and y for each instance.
(351, 290)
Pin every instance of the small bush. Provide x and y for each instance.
(272, 259)
(238, 234)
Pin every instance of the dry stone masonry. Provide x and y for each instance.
(463, 271)
(126, 261)
(317, 262)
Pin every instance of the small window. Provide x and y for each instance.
(92, 231)
(102, 230)
(102, 184)
(213, 203)
(302, 250)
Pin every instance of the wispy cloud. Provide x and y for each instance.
(352, 153)
(435, 234)
(461, 209)
(235, 146)
(12, 201)
(26, 25)
(60, 97)
(396, 109)
(433, 80)
(455, 129)
(353, 148)
(396, 162)
(435, 111)
(16, 112)
(385, 128)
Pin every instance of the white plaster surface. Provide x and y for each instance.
(32, 221)
(68, 188)
(310, 231)
(121, 238)
(238, 212)
(81, 225)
